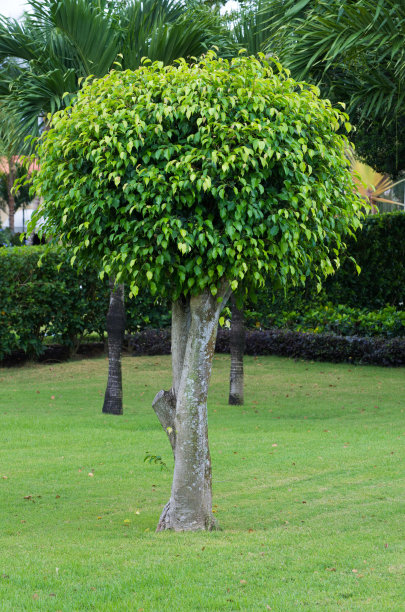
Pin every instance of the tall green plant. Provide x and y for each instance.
(190, 180)
(355, 50)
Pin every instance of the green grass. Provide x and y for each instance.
(308, 482)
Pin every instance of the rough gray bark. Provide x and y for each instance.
(116, 320)
(237, 349)
(182, 411)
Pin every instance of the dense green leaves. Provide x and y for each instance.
(176, 177)
(50, 300)
(58, 301)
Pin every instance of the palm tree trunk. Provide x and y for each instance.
(182, 411)
(237, 348)
(116, 321)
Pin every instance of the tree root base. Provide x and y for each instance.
(235, 400)
(165, 523)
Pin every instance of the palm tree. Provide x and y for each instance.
(237, 342)
(248, 25)
(354, 49)
(58, 44)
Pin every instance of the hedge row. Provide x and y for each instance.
(379, 249)
(39, 301)
(342, 320)
(286, 343)
(56, 300)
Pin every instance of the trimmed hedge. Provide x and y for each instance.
(286, 343)
(343, 320)
(46, 301)
(379, 249)
(55, 299)
(65, 304)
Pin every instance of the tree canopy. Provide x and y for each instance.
(177, 177)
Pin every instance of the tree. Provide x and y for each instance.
(60, 43)
(191, 180)
(355, 51)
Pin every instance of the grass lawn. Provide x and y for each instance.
(308, 478)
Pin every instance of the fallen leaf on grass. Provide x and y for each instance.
(243, 582)
(35, 596)
(331, 569)
(91, 474)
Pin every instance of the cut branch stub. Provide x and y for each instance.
(164, 406)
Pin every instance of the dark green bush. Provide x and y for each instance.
(288, 343)
(57, 301)
(8, 238)
(380, 252)
(52, 299)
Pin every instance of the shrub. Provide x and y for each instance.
(55, 299)
(379, 249)
(8, 238)
(50, 299)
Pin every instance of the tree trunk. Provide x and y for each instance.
(115, 330)
(182, 411)
(237, 347)
(11, 200)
